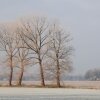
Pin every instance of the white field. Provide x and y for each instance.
(47, 91)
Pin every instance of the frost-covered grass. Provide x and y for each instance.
(15, 93)
(47, 91)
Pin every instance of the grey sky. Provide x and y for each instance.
(81, 17)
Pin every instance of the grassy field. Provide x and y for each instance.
(67, 84)
(83, 84)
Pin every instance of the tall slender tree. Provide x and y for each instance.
(22, 56)
(8, 45)
(59, 53)
(34, 33)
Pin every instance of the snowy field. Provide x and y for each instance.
(77, 90)
(48, 94)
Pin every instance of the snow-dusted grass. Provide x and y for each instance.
(47, 91)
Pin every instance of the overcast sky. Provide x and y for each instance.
(81, 17)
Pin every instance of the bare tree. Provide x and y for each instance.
(22, 56)
(8, 45)
(93, 74)
(59, 52)
(35, 35)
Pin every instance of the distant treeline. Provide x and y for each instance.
(93, 74)
(35, 78)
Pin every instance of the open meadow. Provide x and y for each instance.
(65, 84)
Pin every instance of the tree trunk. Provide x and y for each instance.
(58, 77)
(58, 73)
(41, 73)
(11, 72)
(21, 74)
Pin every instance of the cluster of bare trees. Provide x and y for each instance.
(93, 75)
(37, 42)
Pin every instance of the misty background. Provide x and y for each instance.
(80, 17)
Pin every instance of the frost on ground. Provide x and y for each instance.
(47, 91)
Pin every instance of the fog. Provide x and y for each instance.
(80, 17)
